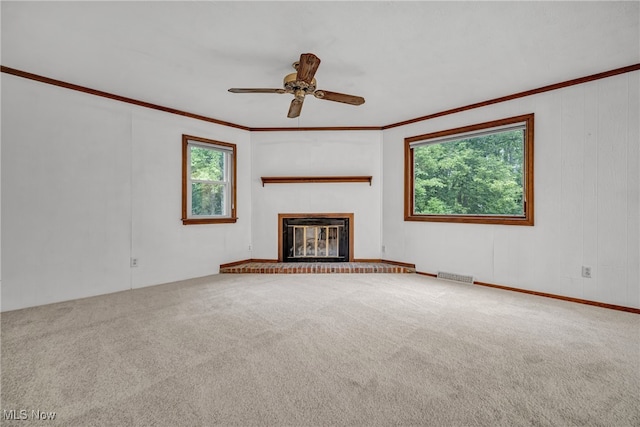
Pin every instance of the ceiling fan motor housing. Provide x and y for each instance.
(293, 85)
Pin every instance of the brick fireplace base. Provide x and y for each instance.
(314, 267)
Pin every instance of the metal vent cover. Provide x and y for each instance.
(455, 277)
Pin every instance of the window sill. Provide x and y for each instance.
(195, 221)
(527, 221)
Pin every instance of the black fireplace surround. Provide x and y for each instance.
(315, 239)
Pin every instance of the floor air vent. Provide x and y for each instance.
(455, 277)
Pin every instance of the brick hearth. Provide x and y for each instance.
(315, 267)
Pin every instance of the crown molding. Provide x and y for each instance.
(555, 86)
(530, 92)
(333, 128)
(90, 91)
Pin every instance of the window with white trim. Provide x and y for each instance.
(208, 181)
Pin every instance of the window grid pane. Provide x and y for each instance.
(207, 199)
(207, 164)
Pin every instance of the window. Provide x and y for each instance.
(478, 174)
(208, 181)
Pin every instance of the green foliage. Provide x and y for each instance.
(207, 164)
(207, 198)
(475, 176)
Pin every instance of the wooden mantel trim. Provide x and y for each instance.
(282, 216)
(313, 179)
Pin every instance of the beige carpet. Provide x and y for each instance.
(358, 349)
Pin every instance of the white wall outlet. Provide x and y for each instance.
(384, 248)
(250, 248)
(134, 262)
(586, 272)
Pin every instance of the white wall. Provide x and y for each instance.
(587, 209)
(168, 250)
(88, 183)
(322, 153)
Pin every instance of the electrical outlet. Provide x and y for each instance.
(384, 248)
(134, 262)
(249, 248)
(586, 272)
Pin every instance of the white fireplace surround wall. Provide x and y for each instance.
(326, 153)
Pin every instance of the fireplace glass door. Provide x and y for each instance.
(315, 240)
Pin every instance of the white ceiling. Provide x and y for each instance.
(407, 59)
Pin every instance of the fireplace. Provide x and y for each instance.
(315, 237)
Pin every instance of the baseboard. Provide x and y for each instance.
(244, 261)
(233, 264)
(401, 264)
(367, 260)
(426, 274)
(548, 295)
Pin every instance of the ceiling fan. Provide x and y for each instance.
(302, 83)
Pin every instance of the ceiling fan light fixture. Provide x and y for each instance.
(291, 84)
(302, 83)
